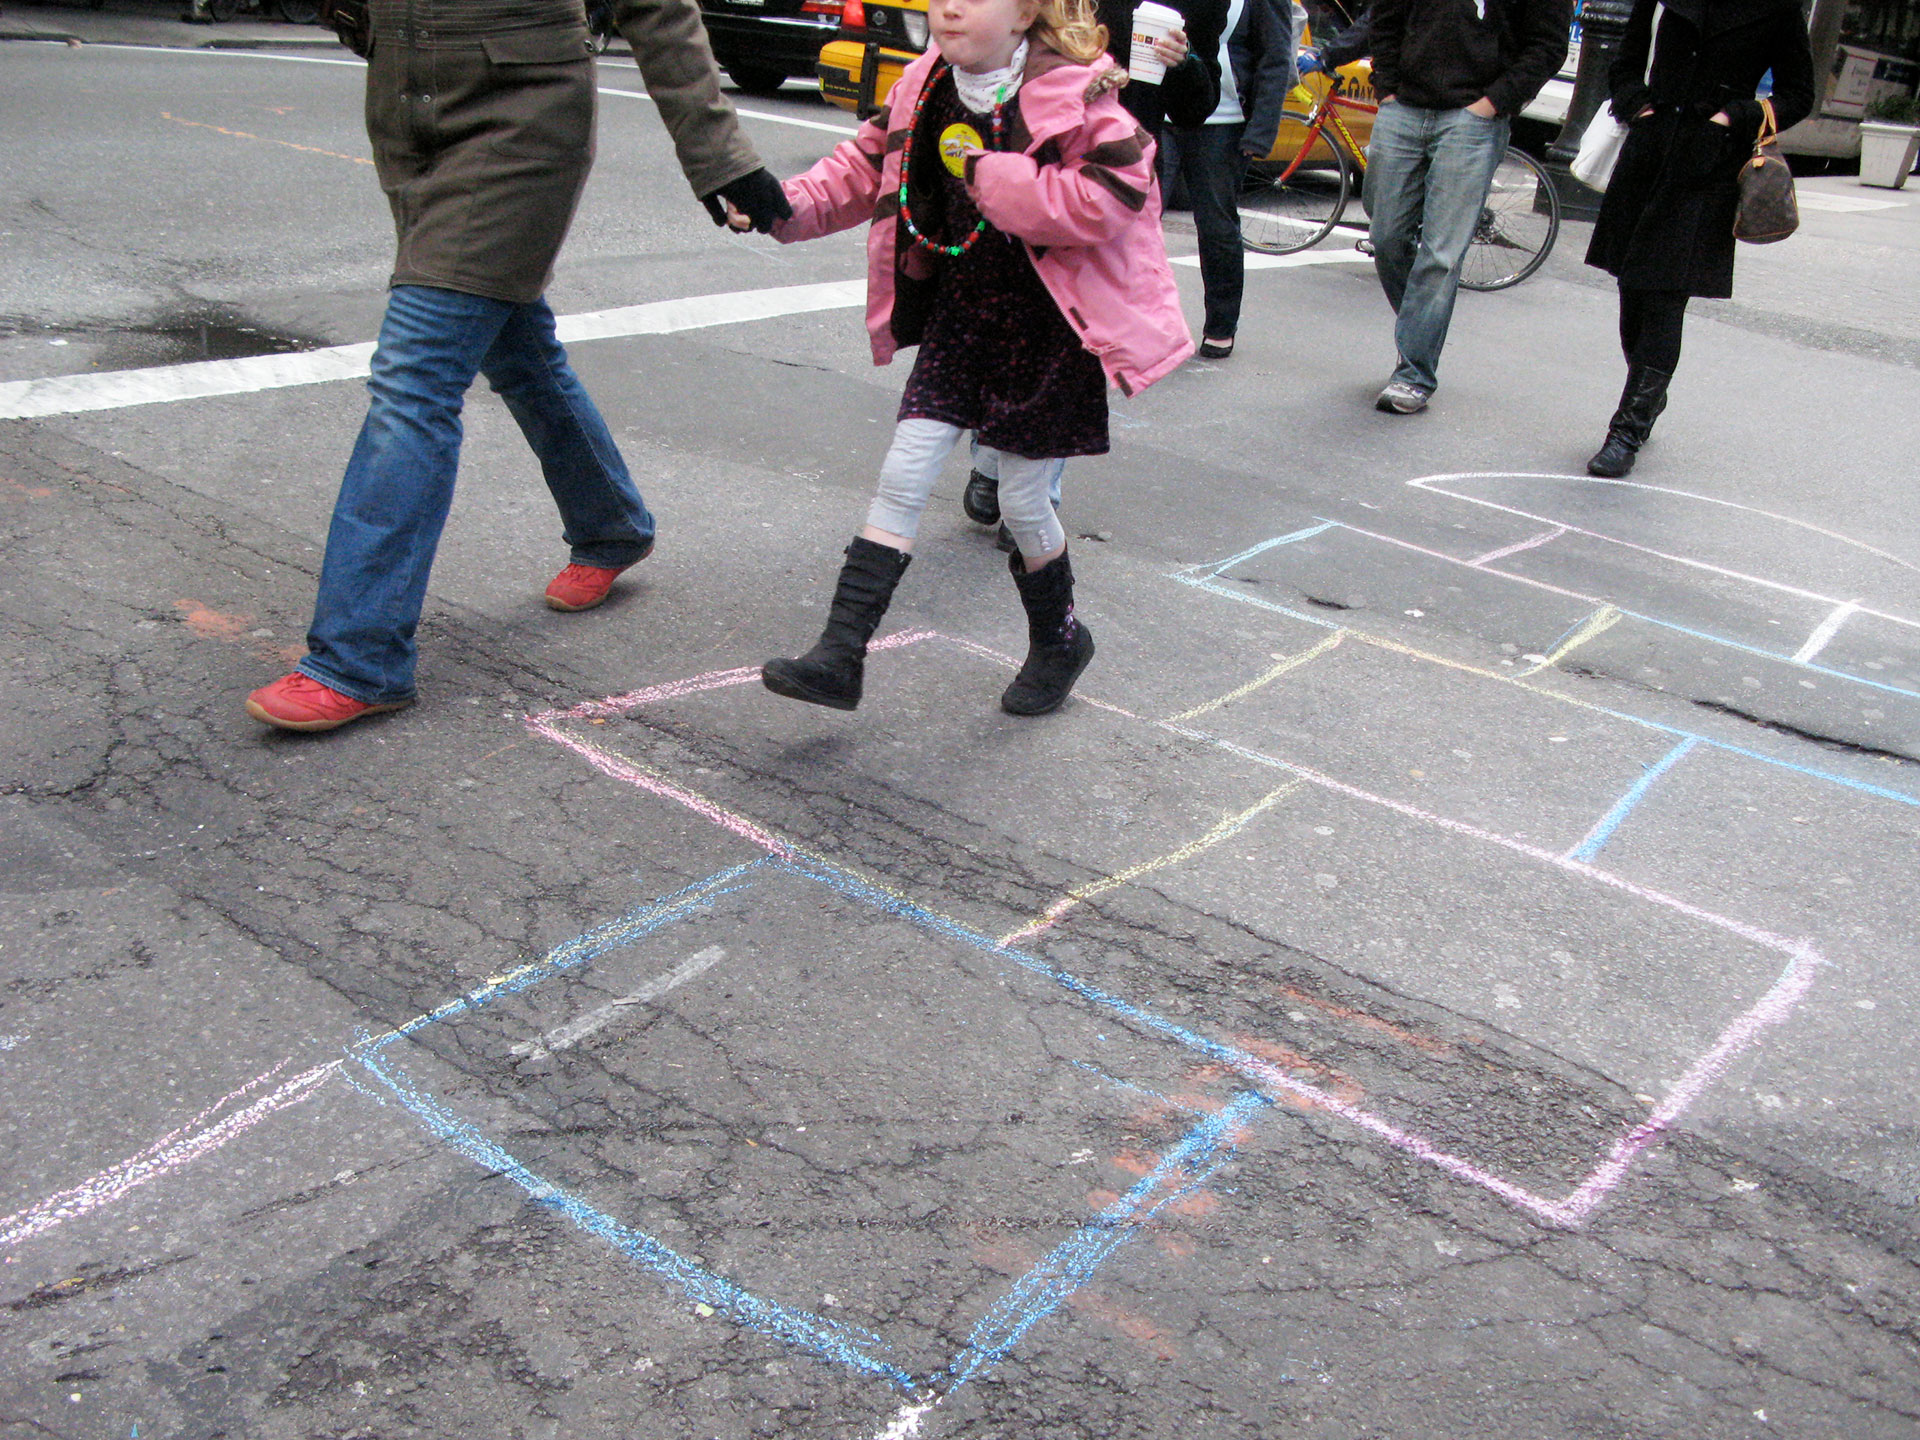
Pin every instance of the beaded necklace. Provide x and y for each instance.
(953, 252)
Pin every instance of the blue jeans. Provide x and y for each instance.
(1209, 159)
(399, 481)
(1428, 172)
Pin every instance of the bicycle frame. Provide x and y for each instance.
(1325, 114)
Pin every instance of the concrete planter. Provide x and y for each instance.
(1887, 153)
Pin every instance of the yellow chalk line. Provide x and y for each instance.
(1292, 662)
(1229, 826)
(1598, 623)
(265, 140)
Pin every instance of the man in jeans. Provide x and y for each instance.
(481, 117)
(1449, 75)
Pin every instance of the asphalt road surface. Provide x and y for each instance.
(1448, 973)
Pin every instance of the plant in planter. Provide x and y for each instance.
(1889, 140)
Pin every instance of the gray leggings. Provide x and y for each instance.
(914, 461)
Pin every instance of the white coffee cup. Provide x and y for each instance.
(1151, 23)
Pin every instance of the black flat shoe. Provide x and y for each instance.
(981, 499)
(1216, 349)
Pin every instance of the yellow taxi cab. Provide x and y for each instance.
(877, 40)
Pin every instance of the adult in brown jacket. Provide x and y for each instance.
(1665, 228)
(481, 114)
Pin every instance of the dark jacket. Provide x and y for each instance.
(1446, 54)
(481, 114)
(1191, 89)
(1355, 42)
(1261, 51)
(1666, 222)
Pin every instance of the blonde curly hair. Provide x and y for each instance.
(1071, 27)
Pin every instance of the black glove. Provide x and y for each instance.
(757, 195)
(351, 21)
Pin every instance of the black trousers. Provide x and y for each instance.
(1650, 323)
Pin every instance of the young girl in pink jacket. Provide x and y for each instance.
(1016, 241)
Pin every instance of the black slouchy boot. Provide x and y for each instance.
(1641, 402)
(1058, 645)
(831, 673)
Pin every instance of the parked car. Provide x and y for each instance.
(762, 43)
(877, 40)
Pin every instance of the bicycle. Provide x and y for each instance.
(1292, 205)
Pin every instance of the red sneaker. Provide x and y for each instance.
(581, 587)
(299, 702)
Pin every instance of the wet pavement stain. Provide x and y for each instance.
(175, 338)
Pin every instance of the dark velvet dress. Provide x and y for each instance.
(996, 355)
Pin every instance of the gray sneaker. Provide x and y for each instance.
(1402, 398)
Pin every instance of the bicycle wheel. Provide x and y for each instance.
(1280, 212)
(1517, 228)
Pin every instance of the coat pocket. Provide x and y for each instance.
(538, 97)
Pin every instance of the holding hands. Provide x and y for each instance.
(753, 202)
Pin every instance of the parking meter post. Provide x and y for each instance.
(1603, 24)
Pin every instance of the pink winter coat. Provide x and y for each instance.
(1076, 185)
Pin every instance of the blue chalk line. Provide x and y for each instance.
(1046, 1287)
(1182, 1170)
(1603, 831)
(1865, 787)
(616, 934)
(842, 1343)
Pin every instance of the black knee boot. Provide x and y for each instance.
(831, 673)
(1641, 402)
(1058, 645)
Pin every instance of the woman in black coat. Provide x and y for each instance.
(1666, 225)
(1256, 74)
(1192, 85)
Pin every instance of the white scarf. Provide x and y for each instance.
(979, 92)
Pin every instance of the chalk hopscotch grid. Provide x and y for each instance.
(1839, 611)
(1183, 1169)
(1207, 577)
(1802, 960)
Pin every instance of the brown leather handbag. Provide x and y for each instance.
(1768, 210)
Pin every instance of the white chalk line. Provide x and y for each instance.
(905, 1424)
(1825, 631)
(566, 1036)
(1433, 483)
(204, 379)
(171, 1152)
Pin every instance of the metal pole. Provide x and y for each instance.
(1603, 23)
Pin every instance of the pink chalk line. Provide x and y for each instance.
(547, 723)
(1571, 1211)
(1519, 545)
(172, 1151)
